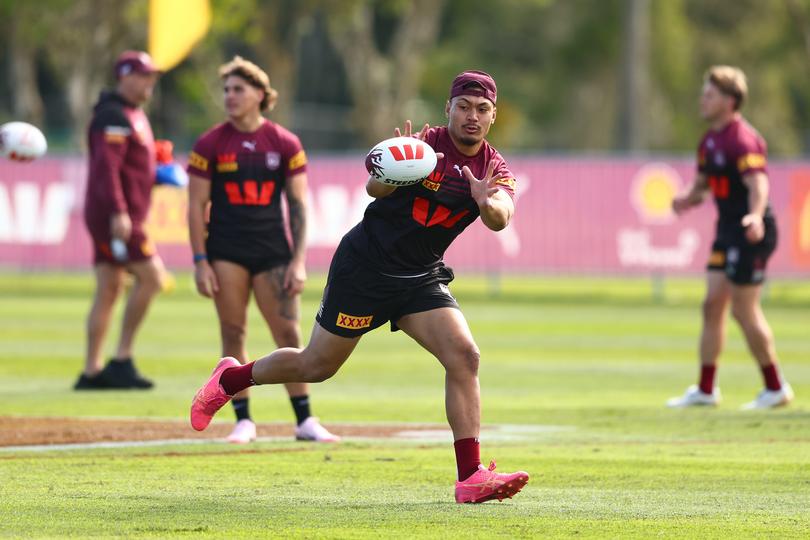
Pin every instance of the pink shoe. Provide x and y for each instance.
(312, 430)
(211, 397)
(243, 433)
(486, 484)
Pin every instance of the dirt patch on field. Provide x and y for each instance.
(26, 431)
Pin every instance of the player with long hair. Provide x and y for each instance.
(238, 172)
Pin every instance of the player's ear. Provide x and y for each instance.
(447, 109)
(494, 114)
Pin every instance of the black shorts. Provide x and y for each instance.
(254, 264)
(743, 262)
(358, 299)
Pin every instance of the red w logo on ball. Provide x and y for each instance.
(407, 152)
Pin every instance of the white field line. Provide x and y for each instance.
(503, 432)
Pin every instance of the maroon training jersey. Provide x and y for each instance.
(248, 172)
(408, 231)
(725, 157)
(122, 163)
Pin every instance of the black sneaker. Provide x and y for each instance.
(87, 382)
(122, 374)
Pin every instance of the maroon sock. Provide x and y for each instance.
(468, 457)
(707, 379)
(771, 376)
(236, 379)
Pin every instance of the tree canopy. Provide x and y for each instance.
(573, 75)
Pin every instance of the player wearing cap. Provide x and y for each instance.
(121, 174)
(239, 170)
(732, 159)
(389, 268)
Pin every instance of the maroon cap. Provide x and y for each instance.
(134, 62)
(474, 83)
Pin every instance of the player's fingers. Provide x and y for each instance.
(439, 155)
(408, 128)
(397, 133)
(214, 283)
(490, 169)
(468, 174)
(423, 131)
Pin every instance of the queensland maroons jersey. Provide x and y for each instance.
(248, 172)
(408, 231)
(122, 165)
(725, 157)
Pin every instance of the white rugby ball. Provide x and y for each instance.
(400, 161)
(21, 141)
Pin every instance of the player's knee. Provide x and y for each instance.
(288, 337)
(743, 314)
(233, 334)
(466, 360)
(152, 282)
(317, 368)
(713, 307)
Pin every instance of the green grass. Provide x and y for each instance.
(581, 366)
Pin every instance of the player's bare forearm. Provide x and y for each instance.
(199, 195)
(378, 190)
(296, 194)
(298, 226)
(497, 211)
(758, 188)
(694, 197)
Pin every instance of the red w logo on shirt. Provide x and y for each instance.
(407, 151)
(441, 215)
(248, 193)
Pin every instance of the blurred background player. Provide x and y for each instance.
(732, 159)
(389, 268)
(238, 171)
(120, 179)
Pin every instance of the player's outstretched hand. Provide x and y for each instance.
(205, 279)
(680, 205)
(484, 188)
(754, 228)
(408, 132)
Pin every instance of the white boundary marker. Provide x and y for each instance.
(498, 433)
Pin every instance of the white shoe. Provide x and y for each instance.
(768, 399)
(312, 430)
(243, 433)
(694, 396)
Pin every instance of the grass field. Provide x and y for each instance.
(574, 370)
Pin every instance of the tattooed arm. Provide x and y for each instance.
(296, 193)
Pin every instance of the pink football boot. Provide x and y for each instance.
(485, 485)
(211, 397)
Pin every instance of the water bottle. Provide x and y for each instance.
(119, 250)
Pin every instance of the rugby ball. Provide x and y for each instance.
(400, 161)
(20, 141)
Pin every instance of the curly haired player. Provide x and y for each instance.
(239, 171)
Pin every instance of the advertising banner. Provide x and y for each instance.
(574, 215)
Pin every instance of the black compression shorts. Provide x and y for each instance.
(358, 299)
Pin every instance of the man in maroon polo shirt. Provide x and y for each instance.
(121, 174)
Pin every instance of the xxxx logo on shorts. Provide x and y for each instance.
(352, 322)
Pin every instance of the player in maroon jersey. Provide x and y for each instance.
(119, 185)
(389, 268)
(238, 171)
(732, 159)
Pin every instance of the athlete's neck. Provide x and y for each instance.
(466, 149)
(248, 123)
(720, 123)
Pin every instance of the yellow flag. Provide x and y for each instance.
(175, 26)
